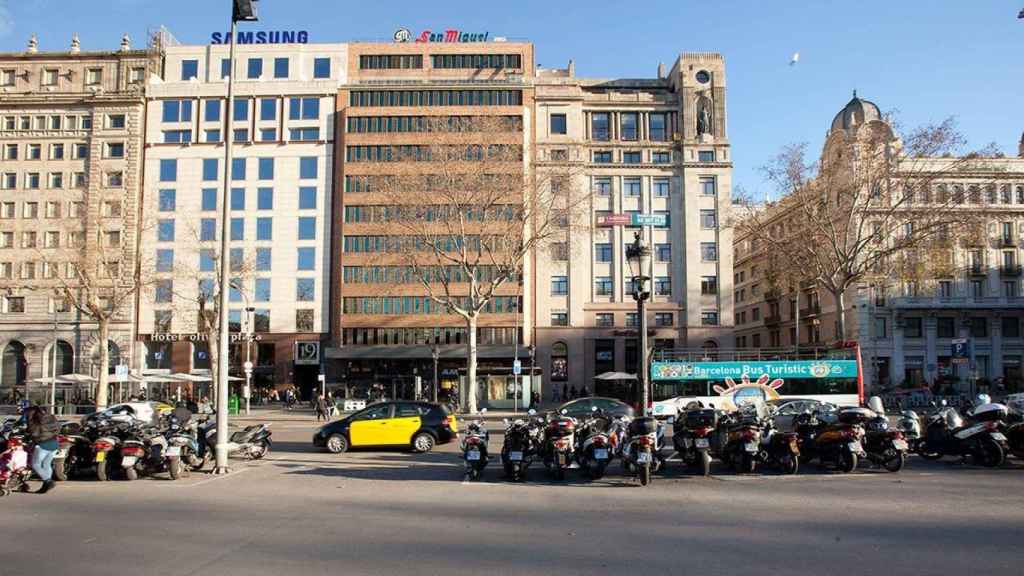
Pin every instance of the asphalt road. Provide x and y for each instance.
(304, 512)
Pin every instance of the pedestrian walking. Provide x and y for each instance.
(584, 392)
(321, 408)
(572, 393)
(42, 431)
(565, 393)
(555, 398)
(535, 400)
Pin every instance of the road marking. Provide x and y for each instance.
(207, 481)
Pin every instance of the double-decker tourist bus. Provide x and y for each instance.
(730, 378)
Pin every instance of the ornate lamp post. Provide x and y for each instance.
(638, 256)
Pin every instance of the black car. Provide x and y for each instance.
(583, 406)
(418, 425)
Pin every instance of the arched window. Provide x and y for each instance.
(13, 374)
(559, 361)
(710, 348)
(65, 358)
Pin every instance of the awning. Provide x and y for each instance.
(67, 379)
(423, 352)
(615, 376)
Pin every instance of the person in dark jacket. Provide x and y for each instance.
(42, 431)
(321, 408)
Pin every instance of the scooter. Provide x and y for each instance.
(947, 435)
(640, 449)
(884, 447)
(593, 453)
(474, 448)
(833, 437)
(741, 432)
(74, 454)
(693, 431)
(518, 449)
(252, 442)
(14, 470)
(559, 444)
(779, 449)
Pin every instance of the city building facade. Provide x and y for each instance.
(281, 183)
(71, 132)
(656, 146)
(906, 329)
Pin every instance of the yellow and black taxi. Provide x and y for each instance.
(417, 425)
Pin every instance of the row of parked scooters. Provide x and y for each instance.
(122, 447)
(746, 438)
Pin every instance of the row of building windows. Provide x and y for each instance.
(305, 229)
(603, 285)
(608, 319)
(436, 213)
(418, 305)
(476, 61)
(60, 122)
(390, 61)
(406, 244)
(946, 327)
(955, 193)
(628, 129)
(305, 259)
(56, 151)
(163, 320)
(48, 270)
(406, 274)
(630, 157)
(364, 98)
(55, 180)
(380, 124)
(56, 209)
(52, 76)
(167, 199)
(281, 68)
(215, 135)
(305, 290)
(57, 239)
(308, 168)
(428, 153)
(425, 336)
(264, 109)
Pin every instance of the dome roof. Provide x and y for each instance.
(856, 113)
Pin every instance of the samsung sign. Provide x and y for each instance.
(262, 37)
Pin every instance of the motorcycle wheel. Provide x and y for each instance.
(705, 464)
(174, 468)
(790, 464)
(989, 453)
(131, 473)
(894, 460)
(60, 469)
(645, 475)
(259, 451)
(748, 464)
(103, 471)
(4, 491)
(847, 461)
(596, 471)
(559, 472)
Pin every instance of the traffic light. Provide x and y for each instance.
(244, 11)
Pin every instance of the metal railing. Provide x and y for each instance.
(747, 354)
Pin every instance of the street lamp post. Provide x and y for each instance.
(250, 321)
(241, 11)
(638, 256)
(435, 353)
(53, 363)
(533, 354)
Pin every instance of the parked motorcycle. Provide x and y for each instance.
(1014, 427)
(594, 445)
(884, 446)
(641, 448)
(106, 448)
(474, 448)
(14, 470)
(780, 450)
(946, 434)
(182, 451)
(74, 455)
(833, 436)
(559, 444)
(741, 434)
(519, 448)
(252, 442)
(692, 434)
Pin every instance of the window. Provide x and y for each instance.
(254, 68)
(236, 258)
(31, 210)
(211, 112)
(559, 318)
(10, 152)
(709, 285)
(661, 157)
(663, 252)
(264, 198)
(56, 151)
(558, 124)
(238, 168)
(977, 289)
(979, 327)
(189, 69)
(559, 251)
(167, 200)
(162, 320)
(241, 111)
(7, 77)
(912, 327)
(268, 108)
(631, 186)
(305, 289)
(280, 67)
(1010, 288)
(168, 170)
(663, 318)
(206, 260)
(165, 260)
(93, 76)
(261, 290)
(628, 125)
(164, 291)
(603, 252)
(603, 157)
(79, 151)
(559, 285)
(307, 228)
(706, 155)
(237, 229)
(208, 230)
(304, 320)
(663, 285)
(177, 136)
(264, 228)
(321, 68)
(263, 259)
(657, 125)
(15, 304)
(307, 198)
(708, 219)
(1011, 326)
(709, 318)
(661, 187)
(240, 135)
(34, 152)
(707, 186)
(177, 111)
(945, 289)
(209, 199)
(599, 126)
(238, 198)
(631, 157)
(78, 180)
(165, 230)
(603, 186)
(303, 108)
(115, 150)
(945, 327)
(304, 134)
(307, 167)
(708, 251)
(266, 168)
(32, 181)
(605, 319)
(56, 180)
(306, 258)
(10, 181)
(225, 68)
(603, 286)
(268, 134)
(212, 136)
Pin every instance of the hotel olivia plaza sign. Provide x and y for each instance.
(449, 35)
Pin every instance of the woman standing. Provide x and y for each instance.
(321, 408)
(42, 431)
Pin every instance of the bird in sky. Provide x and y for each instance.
(794, 59)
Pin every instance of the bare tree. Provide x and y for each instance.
(876, 207)
(467, 213)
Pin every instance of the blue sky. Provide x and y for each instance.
(928, 60)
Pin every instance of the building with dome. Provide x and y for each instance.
(906, 328)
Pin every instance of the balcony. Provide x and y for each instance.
(809, 311)
(808, 284)
(1009, 270)
(774, 320)
(1007, 242)
(977, 270)
(772, 294)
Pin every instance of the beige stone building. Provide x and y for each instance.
(641, 146)
(70, 171)
(906, 330)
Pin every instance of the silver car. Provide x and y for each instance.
(788, 408)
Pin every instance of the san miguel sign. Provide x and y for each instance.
(450, 35)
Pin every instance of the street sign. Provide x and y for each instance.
(614, 220)
(961, 350)
(121, 371)
(517, 367)
(307, 353)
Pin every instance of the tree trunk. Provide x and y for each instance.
(213, 351)
(101, 387)
(471, 391)
(840, 298)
